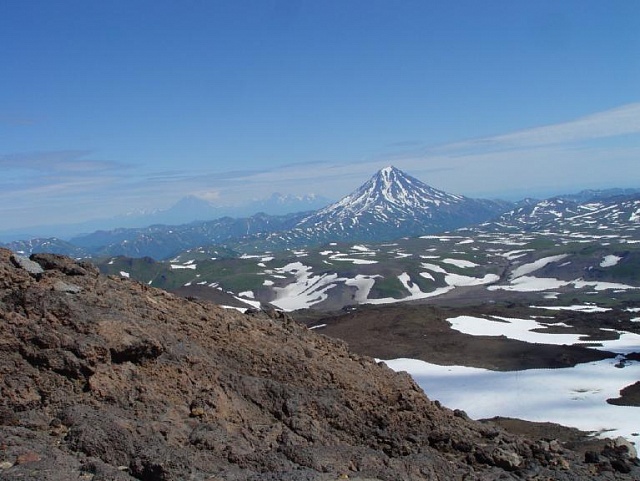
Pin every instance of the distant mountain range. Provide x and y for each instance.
(591, 195)
(618, 213)
(388, 206)
(194, 208)
(187, 210)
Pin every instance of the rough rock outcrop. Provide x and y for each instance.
(103, 378)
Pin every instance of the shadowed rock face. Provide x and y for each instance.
(103, 378)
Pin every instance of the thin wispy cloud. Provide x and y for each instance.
(56, 181)
(610, 123)
(70, 161)
(51, 188)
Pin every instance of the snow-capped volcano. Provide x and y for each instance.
(389, 196)
(393, 204)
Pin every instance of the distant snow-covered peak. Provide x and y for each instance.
(391, 204)
(390, 190)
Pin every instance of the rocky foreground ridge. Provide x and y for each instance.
(103, 378)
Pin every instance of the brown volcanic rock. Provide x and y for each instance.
(108, 379)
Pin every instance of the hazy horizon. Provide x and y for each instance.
(141, 219)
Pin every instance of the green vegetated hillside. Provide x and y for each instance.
(558, 267)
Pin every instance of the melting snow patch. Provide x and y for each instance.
(582, 308)
(523, 330)
(610, 261)
(409, 285)
(441, 238)
(534, 266)
(307, 289)
(433, 268)
(460, 263)
(363, 284)
(178, 266)
(354, 261)
(601, 286)
(124, 274)
(531, 284)
(255, 304)
(426, 275)
(462, 281)
(414, 292)
(241, 309)
(518, 329)
(508, 242)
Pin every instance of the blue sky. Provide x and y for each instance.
(112, 107)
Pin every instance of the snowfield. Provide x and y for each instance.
(573, 396)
